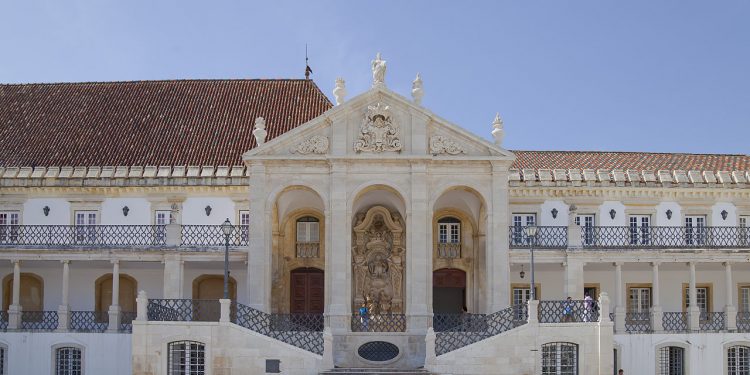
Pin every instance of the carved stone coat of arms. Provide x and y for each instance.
(378, 133)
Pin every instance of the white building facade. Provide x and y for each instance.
(370, 233)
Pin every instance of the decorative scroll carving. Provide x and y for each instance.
(316, 144)
(378, 262)
(443, 145)
(378, 133)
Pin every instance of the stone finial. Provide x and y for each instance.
(260, 131)
(417, 92)
(378, 71)
(339, 92)
(497, 130)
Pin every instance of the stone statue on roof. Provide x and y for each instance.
(378, 71)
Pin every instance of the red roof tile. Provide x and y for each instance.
(629, 160)
(186, 122)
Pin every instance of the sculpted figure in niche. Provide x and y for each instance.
(378, 267)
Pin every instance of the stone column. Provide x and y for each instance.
(338, 253)
(418, 254)
(606, 337)
(620, 306)
(730, 310)
(14, 310)
(693, 311)
(63, 311)
(656, 311)
(574, 279)
(497, 249)
(174, 268)
(114, 308)
(259, 248)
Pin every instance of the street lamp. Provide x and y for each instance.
(531, 232)
(227, 228)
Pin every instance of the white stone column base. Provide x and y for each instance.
(14, 316)
(731, 317)
(694, 318)
(327, 362)
(114, 318)
(430, 357)
(224, 305)
(620, 319)
(657, 319)
(63, 318)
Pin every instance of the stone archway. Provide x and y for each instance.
(378, 257)
(449, 291)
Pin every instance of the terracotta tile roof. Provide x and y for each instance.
(179, 122)
(629, 160)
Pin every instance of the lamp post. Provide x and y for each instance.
(531, 232)
(227, 228)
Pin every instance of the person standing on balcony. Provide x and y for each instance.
(568, 310)
(589, 304)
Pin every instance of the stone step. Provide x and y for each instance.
(375, 371)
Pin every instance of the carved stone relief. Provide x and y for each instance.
(444, 145)
(378, 133)
(316, 144)
(378, 262)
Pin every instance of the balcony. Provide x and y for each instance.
(120, 236)
(308, 250)
(626, 237)
(449, 250)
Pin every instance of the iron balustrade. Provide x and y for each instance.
(675, 321)
(547, 237)
(638, 322)
(212, 235)
(478, 328)
(455, 322)
(3, 320)
(183, 310)
(126, 321)
(83, 235)
(89, 321)
(39, 320)
(301, 330)
(712, 321)
(568, 311)
(743, 321)
(308, 250)
(650, 237)
(378, 323)
(449, 250)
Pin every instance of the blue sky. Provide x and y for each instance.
(664, 76)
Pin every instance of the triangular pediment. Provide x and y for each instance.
(379, 123)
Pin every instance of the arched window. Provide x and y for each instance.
(186, 358)
(449, 230)
(671, 360)
(308, 237)
(103, 293)
(738, 360)
(32, 292)
(68, 361)
(560, 358)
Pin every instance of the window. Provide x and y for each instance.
(521, 294)
(308, 237)
(9, 221)
(161, 218)
(639, 299)
(86, 226)
(695, 230)
(586, 222)
(560, 358)
(738, 360)
(639, 229)
(186, 358)
(744, 296)
(244, 225)
(744, 230)
(671, 360)
(703, 294)
(449, 230)
(521, 221)
(68, 361)
(3, 360)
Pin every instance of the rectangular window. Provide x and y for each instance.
(586, 222)
(744, 227)
(68, 361)
(703, 295)
(738, 360)
(639, 299)
(695, 230)
(520, 221)
(449, 232)
(307, 231)
(86, 226)
(186, 358)
(640, 233)
(9, 221)
(244, 225)
(161, 218)
(671, 360)
(744, 297)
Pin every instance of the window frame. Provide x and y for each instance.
(7, 227)
(709, 295)
(639, 228)
(206, 357)
(640, 286)
(695, 229)
(520, 220)
(452, 226)
(80, 348)
(587, 228)
(558, 345)
(740, 287)
(727, 350)
(244, 225)
(4, 359)
(685, 356)
(308, 221)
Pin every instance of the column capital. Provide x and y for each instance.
(115, 261)
(15, 261)
(656, 263)
(618, 264)
(726, 264)
(65, 261)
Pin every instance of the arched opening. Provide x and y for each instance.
(32, 292)
(103, 293)
(448, 291)
(211, 287)
(307, 294)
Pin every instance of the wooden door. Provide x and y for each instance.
(306, 291)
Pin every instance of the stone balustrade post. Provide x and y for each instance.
(604, 308)
(606, 336)
(327, 362)
(430, 354)
(533, 311)
(225, 307)
(575, 240)
(173, 234)
(141, 307)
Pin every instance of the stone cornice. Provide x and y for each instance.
(628, 193)
(632, 256)
(104, 191)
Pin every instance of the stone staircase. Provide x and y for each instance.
(376, 371)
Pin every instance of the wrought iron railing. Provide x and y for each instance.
(183, 310)
(126, 321)
(3, 320)
(546, 237)
(449, 250)
(664, 237)
(212, 235)
(379, 323)
(743, 321)
(675, 321)
(84, 235)
(451, 322)
(308, 250)
(39, 320)
(467, 333)
(638, 322)
(568, 311)
(303, 331)
(89, 321)
(712, 321)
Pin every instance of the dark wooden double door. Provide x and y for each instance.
(307, 287)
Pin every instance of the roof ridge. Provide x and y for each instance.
(631, 152)
(160, 81)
